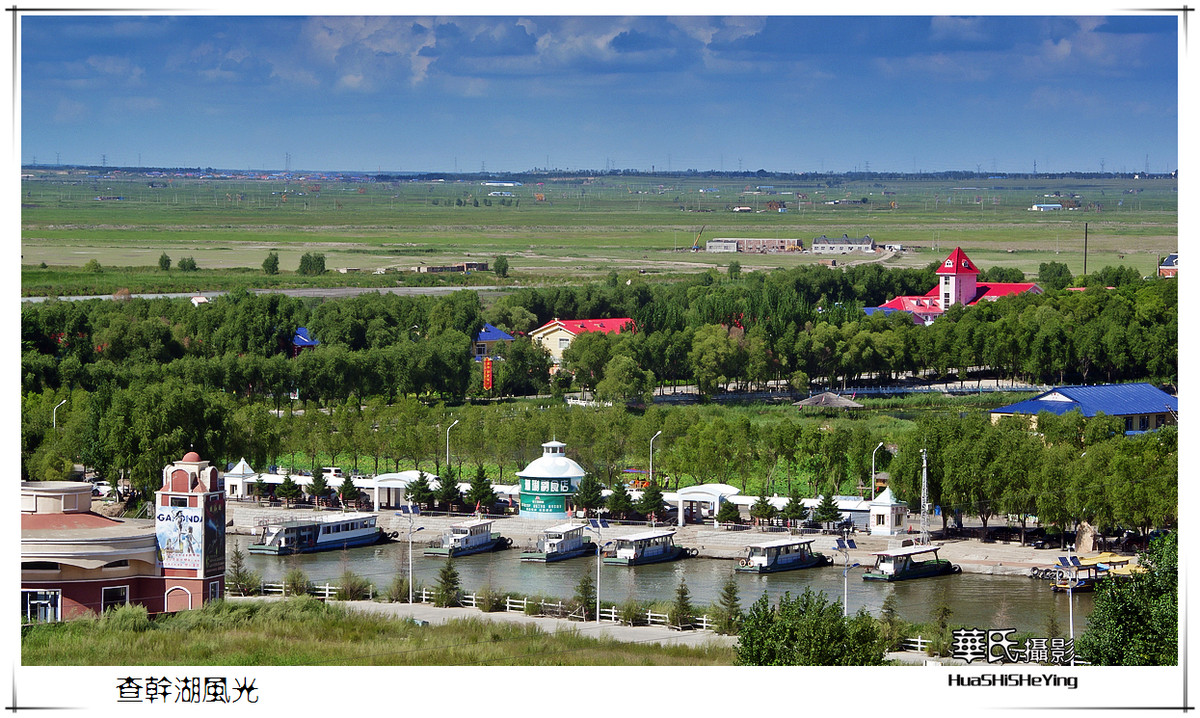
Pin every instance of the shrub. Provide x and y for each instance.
(296, 583)
(397, 591)
(354, 587)
(488, 599)
(131, 617)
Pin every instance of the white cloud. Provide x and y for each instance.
(69, 110)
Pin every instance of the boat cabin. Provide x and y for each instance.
(562, 537)
(644, 545)
(781, 551)
(901, 560)
(468, 534)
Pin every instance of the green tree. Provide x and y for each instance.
(500, 266)
(288, 490)
(794, 510)
(728, 513)
(735, 270)
(187, 264)
(348, 492)
(318, 488)
(312, 264)
(681, 611)
(762, 509)
(619, 503)
(446, 593)
(589, 495)
(164, 262)
(651, 501)
(585, 595)
(239, 578)
(1135, 619)
(270, 265)
(624, 380)
(447, 493)
(1054, 275)
(729, 609)
(891, 626)
(92, 266)
(807, 631)
(419, 491)
(827, 511)
(481, 492)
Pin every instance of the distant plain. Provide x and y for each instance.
(588, 226)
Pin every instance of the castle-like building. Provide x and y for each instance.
(957, 284)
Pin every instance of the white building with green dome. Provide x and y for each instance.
(548, 483)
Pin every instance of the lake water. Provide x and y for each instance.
(976, 600)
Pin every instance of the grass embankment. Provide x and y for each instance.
(307, 632)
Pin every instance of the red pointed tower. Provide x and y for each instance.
(956, 280)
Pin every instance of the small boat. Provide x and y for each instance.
(647, 547)
(782, 555)
(898, 564)
(468, 537)
(561, 542)
(318, 533)
(1085, 572)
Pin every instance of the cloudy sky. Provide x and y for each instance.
(833, 93)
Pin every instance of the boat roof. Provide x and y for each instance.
(563, 528)
(291, 521)
(645, 535)
(908, 551)
(1104, 558)
(470, 524)
(781, 542)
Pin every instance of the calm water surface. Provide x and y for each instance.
(976, 600)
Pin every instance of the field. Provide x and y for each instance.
(585, 226)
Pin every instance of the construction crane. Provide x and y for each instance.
(696, 241)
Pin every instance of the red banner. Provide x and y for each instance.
(487, 373)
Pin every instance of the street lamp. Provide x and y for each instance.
(408, 512)
(1071, 581)
(873, 470)
(843, 547)
(448, 428)
(54, 415)
(594, 525)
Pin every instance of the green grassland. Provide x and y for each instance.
(588, 227)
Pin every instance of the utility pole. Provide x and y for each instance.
(1085, 228)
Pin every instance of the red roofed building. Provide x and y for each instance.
(956, 285)
(555, 336)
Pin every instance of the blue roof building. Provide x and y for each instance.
(302, 341)
(1143, 406)
(486, 341)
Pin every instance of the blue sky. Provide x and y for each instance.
(834, 93)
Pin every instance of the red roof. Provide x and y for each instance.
(958, 263)
(994, 290)
(580, 326)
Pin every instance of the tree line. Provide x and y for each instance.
(804, 326)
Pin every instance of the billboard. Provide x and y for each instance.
(214, 534)
(180, 530)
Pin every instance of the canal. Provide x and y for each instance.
(976, 600)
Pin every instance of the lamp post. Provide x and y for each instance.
(1071, 581)
(448, 428)
(877, 448)
(408, 512)
(594, 525)
(843, 547)
(54, 416)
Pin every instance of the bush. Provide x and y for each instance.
(354, 587)
(397, 591)
(296, 583)
(131, 617)
(632, 612)
(489, 600)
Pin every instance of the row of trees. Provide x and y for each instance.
(713, 333)
(1069, 470)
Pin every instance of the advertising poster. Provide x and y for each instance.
(214, 534)
(179, 532)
